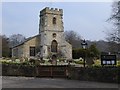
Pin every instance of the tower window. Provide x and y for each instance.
(54, 20)
(54, 35)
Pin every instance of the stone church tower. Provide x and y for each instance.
(51, 30)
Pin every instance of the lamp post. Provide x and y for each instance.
(84, 46)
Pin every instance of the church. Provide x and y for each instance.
(50, 42)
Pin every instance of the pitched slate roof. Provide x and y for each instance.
(25, 41)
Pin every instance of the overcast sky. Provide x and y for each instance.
(88, 19)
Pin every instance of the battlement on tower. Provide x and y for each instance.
(48, 10)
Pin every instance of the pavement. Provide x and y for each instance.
(32, 82)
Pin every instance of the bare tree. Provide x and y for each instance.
(5, 46)
(115, 19)
(73, 38)
(114, 35)
(16, 39)
(0, 46)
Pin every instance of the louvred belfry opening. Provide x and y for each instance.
(54, 20)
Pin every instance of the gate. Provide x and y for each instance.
(58, 71)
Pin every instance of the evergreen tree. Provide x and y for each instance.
(93, 51)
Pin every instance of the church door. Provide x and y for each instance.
(54, 59)
(54, 46)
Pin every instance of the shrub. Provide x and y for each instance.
(62, 59)
(78, 62)
(118, 63)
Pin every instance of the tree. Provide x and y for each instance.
(93, 51)
(77, 53)
(73, 38)
(0, 46)
(16, 39)
(115, 18)
(90, 52)
(5, 46)
(114, 36)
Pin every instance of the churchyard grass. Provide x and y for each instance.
(75, 62)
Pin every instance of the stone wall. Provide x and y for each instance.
(98, 74)
(34, 42)
(23, 50)
(34, 71)
(18, 51)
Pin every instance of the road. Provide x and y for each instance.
(31, 82)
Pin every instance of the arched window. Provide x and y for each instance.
(54, 20)
(54, 46)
